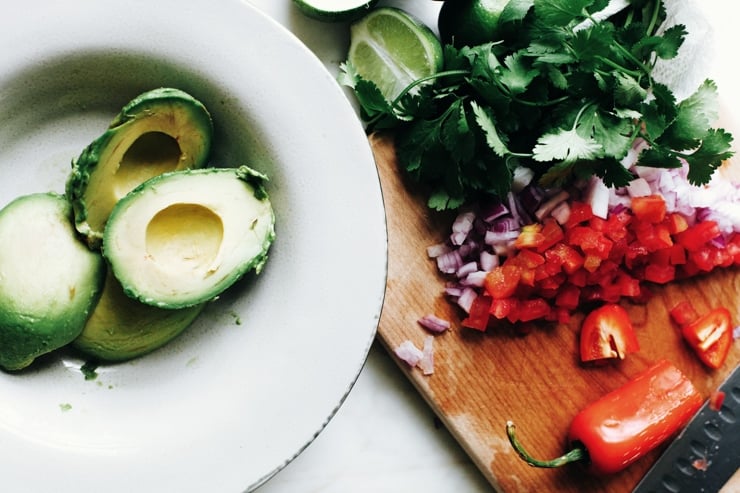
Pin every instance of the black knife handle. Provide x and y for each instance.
(705, 454)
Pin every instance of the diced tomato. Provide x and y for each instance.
(502, 281)
(616, 225)
(591, 263)
(676, 223)
(565, 256)
(607, 333)
(660, 273)
(698, 235)
(530, 236)
(653, 237)
(552, 234)
(628, 285)
(677, 255)
(683, 313)
(710, 336)
(650, 208)
(533, 309)
(479, 313)
(568, 297)
(580, 212)
(501, 307)
(590, 241)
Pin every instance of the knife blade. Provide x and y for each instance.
(706, 453)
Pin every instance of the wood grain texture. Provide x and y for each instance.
(481, 380)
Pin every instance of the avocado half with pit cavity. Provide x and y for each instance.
(182, 238)
(121, 328)
(49, 279)
(159, 131)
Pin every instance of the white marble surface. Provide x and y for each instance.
(385, 438)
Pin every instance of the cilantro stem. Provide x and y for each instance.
(653, 19)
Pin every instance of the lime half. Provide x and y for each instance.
(391, 48)
(335, 10)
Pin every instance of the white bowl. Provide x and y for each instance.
(244, 390)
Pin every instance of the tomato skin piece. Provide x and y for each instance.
(607, 333)
(710, 336)
(627, 423)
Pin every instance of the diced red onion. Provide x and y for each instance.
(462, 225)
(505, 224)
(426, 363)
(488, 261)
(466, 269)
(597, 196)
(531, 197)
(546, 209)
(639, 187)
(494, 238)
(561, 212)
(466, 298)
(522, 177)
(476, 279)
(493, 211)
(434, 251)
(434, 323)
(409, 353)
(449, 262)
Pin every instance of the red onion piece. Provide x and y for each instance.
(434, 323)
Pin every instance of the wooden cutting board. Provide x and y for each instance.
(481, 380)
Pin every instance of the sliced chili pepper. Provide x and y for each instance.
(710, 336)
(627, 423)
(607, 333)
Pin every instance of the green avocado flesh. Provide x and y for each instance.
(159, 131)
(121, 328)
(182, 238)
(49, 280)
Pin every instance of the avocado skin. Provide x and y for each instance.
(92, 157)
(121, 328)
(27, 332)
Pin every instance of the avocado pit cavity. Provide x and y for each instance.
(185, 238)
(151, 154)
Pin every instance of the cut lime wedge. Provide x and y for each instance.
(335, 10)
(392, 49)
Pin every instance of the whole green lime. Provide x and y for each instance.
(469, 22)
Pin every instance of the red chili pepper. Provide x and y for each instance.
(607, 333)
(625, 424)
(710, 336)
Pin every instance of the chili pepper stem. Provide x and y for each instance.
(574, 455)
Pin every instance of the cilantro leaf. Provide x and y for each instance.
(713, 151)
(561, 12)
(694, 117)
(487, 123)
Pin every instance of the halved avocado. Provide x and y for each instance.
(121, 328)
(49, 280)
(159, 131)
(182, 238)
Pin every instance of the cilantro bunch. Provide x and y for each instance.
(560, 92)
